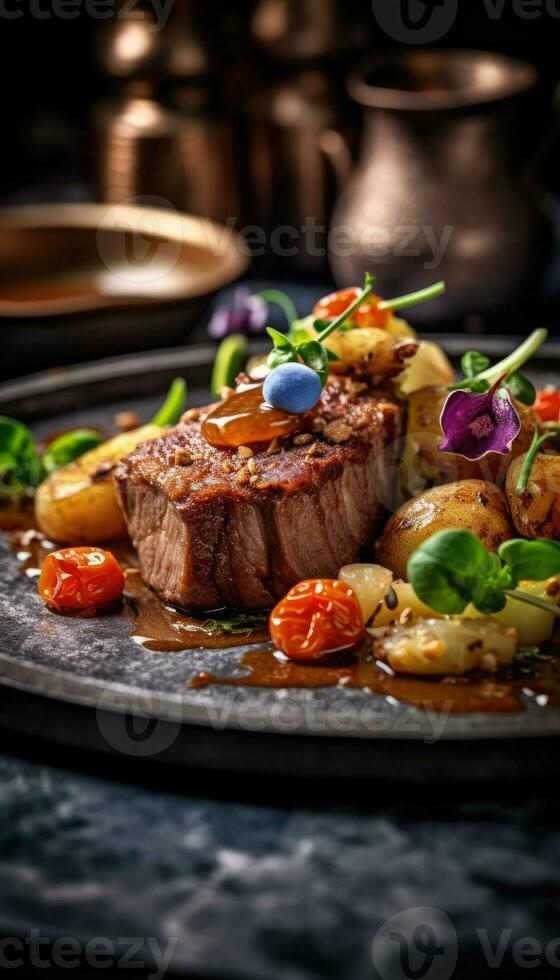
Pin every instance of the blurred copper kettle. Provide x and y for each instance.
(442, 189)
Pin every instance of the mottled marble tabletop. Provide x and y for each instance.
(276, 882)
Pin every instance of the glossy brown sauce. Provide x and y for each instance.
(506, 692)
(156, 626)
(161, 627)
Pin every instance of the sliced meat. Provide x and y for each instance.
(213, 529)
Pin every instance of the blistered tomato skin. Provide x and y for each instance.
(367, 315)
(80, 578)
(316, 617)
(293, 388)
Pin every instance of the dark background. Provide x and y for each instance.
(52, 78)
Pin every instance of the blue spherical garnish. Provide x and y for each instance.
(293, 388)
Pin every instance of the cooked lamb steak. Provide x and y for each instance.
(213, 527)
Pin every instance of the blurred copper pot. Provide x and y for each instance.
(182, 153)
(442, 189)
(305, 30)
(299, 163)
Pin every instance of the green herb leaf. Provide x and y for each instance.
(315, 356)
(448, 570)
(174, 404)
(536, 560)
(20, 463)
(69, 447)
(236, 624)
(281, 355)
(278, 339)
(522, 389)
(473, 363)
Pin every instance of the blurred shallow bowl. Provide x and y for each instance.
(85, 280)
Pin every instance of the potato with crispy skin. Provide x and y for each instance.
(423, 463)
(77, 504)
(475, 505)
(536, 510)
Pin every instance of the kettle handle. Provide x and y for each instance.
(335, 148)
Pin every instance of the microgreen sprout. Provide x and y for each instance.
(536, 444)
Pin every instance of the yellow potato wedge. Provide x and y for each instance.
(77, 504)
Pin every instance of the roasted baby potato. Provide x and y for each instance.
(369, 350)
(536, 510)
(475, 505)
(446, 646)
(429, 367)
(77, 503)
(423, 464)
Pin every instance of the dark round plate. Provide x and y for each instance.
(86, 683)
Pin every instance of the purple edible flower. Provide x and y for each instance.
(247, 315)
(474, 425)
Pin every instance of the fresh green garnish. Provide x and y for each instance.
(236, 624)
(413, 299)
(21, 467)
(312, 352)
(283, 301)
(473, 363)
(230, 358)
(522, 389)
(482, 380)
(296, 345)
(174, 404)
(69, 447)
(453, 568)
(530, 456)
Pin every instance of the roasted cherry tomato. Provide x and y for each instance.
(316, 617)
(80, 578)
(547, 405)
(367, 315)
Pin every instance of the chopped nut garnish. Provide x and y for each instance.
(489, 662)
(406, 616)
(338, 431)
(191, 415)
(434, 649)
(226, 392)
(552, 587)
(243, 477)
(312, 450)
(318, 424)
(126, 421)
(275, 447)
(245, 452)
(252, 466)
(303, 439)
(226, 467)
